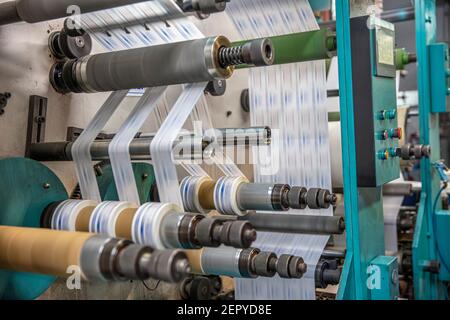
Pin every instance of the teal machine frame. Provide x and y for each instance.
(367, 274)
(431, 244)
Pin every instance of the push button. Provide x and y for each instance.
(383, 154)
(396, 133)
(394, 152)
(391, 114)
(383, 135)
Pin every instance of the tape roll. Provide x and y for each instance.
(104, 218)
(225, 195)
(67, 212)
(146, 226)
(192, 196)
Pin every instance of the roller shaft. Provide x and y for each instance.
(281, 197)
(245, 263)
(176, 229)
(297, 224)
(201, 195)
(264, 197)
(139, 150)
(33, 11)
(300, 47)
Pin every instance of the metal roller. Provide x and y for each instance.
(202, 195)
(297, 224)
(267, 197)
(139, 150)
(204, 7)
(327, 273)
(245, 263)
(192, 61)
(98, 257)
(33, 11)
(279, 197)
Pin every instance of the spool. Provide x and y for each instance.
(225, 195)
(206, 194)
(195, 260)
(147, 222)
(67, 214)
(105, 216)
(198, 194)
(124, 223)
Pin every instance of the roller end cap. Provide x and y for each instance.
(260, 52)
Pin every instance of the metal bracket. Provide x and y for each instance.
(37, 116)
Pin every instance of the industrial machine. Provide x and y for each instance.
(123, 175)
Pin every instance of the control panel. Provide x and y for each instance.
(375, 101)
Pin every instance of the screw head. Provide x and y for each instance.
(46, 185)
(79, 41)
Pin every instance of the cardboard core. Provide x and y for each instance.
(124, 223)
(195, 260)
(83, 218)
(40, 250)
(206, 195)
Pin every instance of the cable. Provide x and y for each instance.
(151, 289)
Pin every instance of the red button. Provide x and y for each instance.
(397, 133)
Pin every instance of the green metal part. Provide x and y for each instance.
(143, 173)
(403, 58)
(304, 46)
(334, 117)
(26, 189)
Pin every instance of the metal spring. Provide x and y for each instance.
(232, 56)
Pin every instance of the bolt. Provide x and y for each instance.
(39, 119)
(46, 185)
(144, 176)
(79, 42)
(302, 268)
